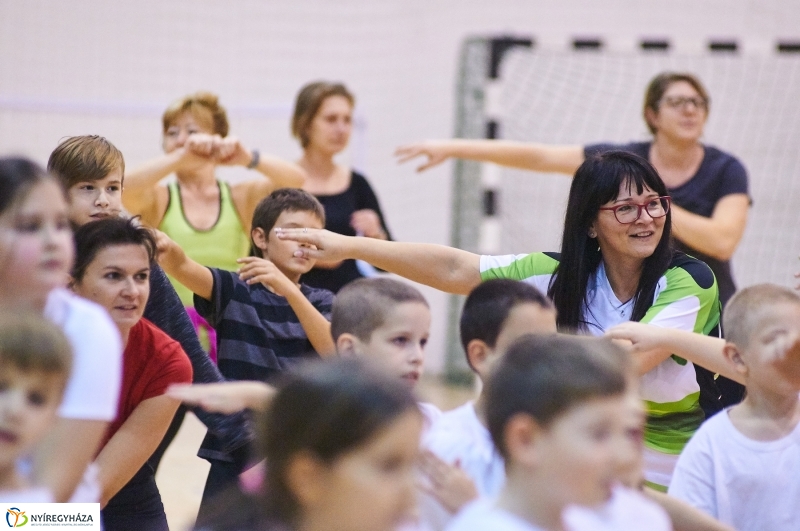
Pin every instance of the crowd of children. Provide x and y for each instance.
(313, 395)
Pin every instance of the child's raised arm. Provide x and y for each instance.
(174, 261)
(702, 350)
(259, 270)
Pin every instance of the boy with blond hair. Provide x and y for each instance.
(91, 168)
(35, 363)
(741, 465)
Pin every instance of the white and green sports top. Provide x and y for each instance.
(686, 298)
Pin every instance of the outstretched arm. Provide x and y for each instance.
(174, 261)
(224, 397)
(649, 341)
(523, 155)
(441, 267)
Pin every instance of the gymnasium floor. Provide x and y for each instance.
(182, 474)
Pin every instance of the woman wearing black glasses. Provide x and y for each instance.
(708, 186)
(616, 264)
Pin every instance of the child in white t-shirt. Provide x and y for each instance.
(495, 314)
(35, 361)
(741, 466)
(555, 408)
(386, 322)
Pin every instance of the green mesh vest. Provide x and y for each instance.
(218, 246)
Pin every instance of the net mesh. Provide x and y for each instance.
(590, 97)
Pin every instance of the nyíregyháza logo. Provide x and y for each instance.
(16, 517)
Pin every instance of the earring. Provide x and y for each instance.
(592, 234)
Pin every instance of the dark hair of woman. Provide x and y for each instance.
(597, 181)
(95, 236)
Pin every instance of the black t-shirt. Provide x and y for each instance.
(719, 174)
(338, 210)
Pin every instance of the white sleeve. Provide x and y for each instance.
(93, 389)
(693, 478)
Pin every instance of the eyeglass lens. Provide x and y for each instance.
(656, 208)
(680, 102)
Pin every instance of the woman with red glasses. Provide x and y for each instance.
(616, 264)
(708, 186)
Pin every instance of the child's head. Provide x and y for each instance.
(755, 320)
(35, 361)
(341, 441)
(112, 267)
(385, 320)
(555, 407)
(91, 169)
(285, 208)
(35, 237)
(496, 313)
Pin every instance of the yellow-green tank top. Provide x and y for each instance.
(218, 246)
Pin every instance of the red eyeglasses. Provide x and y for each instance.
(629, 213)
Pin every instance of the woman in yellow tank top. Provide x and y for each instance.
(207, 217)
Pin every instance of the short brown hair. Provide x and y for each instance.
(283, 200)
(204, 107)
(31, 343)
(659, 85)
(308, 102)
(84, 158)
(745, 313)
(545, 376)
(362, 305)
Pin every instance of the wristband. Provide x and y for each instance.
(254, 161)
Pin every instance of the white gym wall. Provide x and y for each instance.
(110, 68)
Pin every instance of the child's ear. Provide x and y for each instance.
(347, 346)
(304, 477)
(478, 354)
(260, 238)
(71, 283)
(521, 433)
(734, 357)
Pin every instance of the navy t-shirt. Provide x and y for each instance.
(719, 174)
(258, 334)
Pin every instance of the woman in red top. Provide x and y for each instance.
(112, 266)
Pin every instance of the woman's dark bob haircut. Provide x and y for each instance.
(598, 181)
